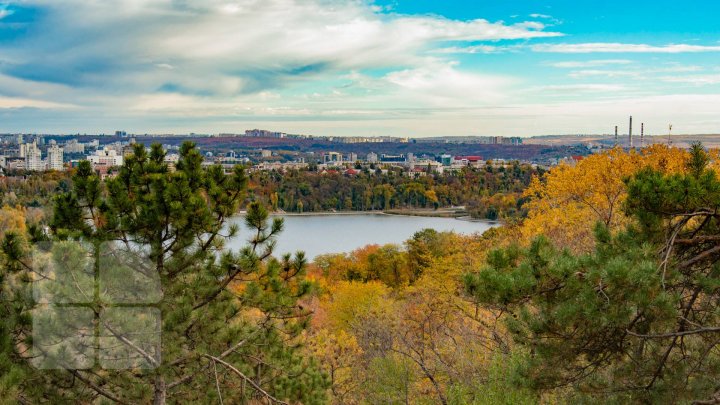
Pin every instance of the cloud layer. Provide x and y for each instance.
(228, 48)
(605, 47)
(323, 66)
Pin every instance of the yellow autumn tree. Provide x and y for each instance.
(339, 354)
(348, 301)
(569, 200)
(339, 313)
(12, 219)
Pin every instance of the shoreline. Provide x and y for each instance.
(441, 213)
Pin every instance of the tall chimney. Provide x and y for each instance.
(642, 134)
(630, 133)
(616, 139)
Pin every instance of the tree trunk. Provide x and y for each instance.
(160, 390)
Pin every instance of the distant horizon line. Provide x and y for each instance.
(229, 134)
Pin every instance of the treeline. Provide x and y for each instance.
(487, 192)
(34, 189)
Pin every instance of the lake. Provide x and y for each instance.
(339, 233)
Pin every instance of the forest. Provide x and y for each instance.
(605, 290)
(487, 192)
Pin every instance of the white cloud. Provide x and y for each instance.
(114, 54)
(537, 15)
(476, 49)
(4, 12)
(636, 72)
(584, 88)
(607, 47)
(590, 63)
(606, 73)
(17, 102)
(442, 84)
(678, 69)
(697, 80)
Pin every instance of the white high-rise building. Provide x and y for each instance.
(55, 158)
(106, 157)
(33, 157)
(73, 146)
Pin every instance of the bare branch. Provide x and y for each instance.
(217, 382)
(97, 388)
(224, 354)
(702, 256)
(675, 334)
(247, 379)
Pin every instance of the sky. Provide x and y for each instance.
(358, 67)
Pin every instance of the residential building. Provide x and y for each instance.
(33, 157)
(332, 157)
(280, 167)
(105, 157)
(427, 165)
(73, 146)
(14, 163)
(261, 133)
(128, 150)
(386, 158)
(55, 158)
(475, 161)
(446, 160)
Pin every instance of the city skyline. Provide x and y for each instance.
(334, 68)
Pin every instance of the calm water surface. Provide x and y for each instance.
(320, 234)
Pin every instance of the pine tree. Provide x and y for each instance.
(637, 319)
(228, 323)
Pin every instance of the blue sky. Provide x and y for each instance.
(356, 67)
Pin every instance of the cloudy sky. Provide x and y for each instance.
(359, 67)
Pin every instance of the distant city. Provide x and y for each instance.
(271, 150)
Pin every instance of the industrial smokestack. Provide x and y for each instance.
(630, 133)
(616, 139)
(642, 134)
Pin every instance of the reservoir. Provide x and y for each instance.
(340, 233)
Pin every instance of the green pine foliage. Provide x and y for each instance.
(230, 321)
(638, 319)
